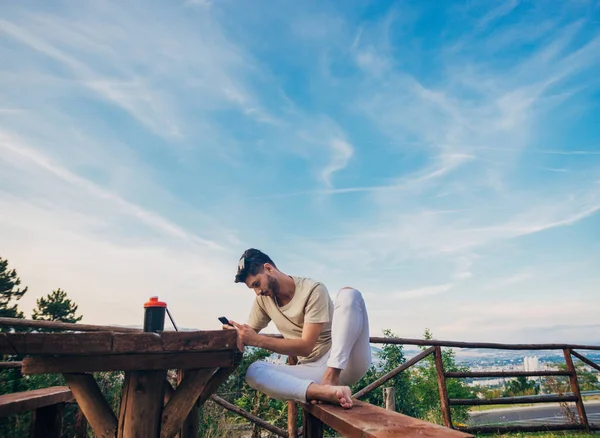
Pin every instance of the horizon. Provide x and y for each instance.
(442, 159)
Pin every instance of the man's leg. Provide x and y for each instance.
(295, 382)
(350, 356)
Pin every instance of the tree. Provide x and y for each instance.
(9, 291)
(521, 386)
(391, 356)
(426, 391)
(56, 307)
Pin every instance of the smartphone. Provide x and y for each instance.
(224, 321)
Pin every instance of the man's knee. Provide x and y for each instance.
(348, 297)
(255, 373)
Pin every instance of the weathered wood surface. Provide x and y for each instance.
(31, 323)
(242, 413)
(575, 387)
(292, 420)
(478, 374)
(368, 421)
(182, 401)
(443, 390)
(512, 400)
(127, 362)
(25, 401)
(389, 396)
(143, 404)
(217, 379)
(312, 426)
(46, 422)
(10, 365)
(117, 343)
(377, 383)
(585, 360)
(93, 404)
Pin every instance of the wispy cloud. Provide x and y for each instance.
(422, 292)
(342, 152)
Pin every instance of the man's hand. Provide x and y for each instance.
(247, 333)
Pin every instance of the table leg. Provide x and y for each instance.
(142, 404)
(93, 404)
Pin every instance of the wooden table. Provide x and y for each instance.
(150, 407)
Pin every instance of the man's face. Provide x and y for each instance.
(264, 284)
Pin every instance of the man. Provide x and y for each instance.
(331, 341)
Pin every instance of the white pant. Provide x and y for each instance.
(350, 351)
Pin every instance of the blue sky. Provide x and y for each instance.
(442, 157)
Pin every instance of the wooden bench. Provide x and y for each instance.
(46, 405)
(365, 420)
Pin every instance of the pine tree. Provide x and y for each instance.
(56, 307)
(9, 291)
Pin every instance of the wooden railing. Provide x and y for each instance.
(435, 348)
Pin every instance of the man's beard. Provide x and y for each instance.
(273, 286)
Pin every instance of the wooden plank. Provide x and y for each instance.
(377, 383)
(439, 368)
(31, 323)
(247, 415)
(575, 387)
(10, 365)
(140, 343)
(93, 404)
(143, 404)
(478, 374)
(26, 401)
(367, 421)
(585, 360)
(46, 422)
(213, 340)
(182, 401)
(6, 346)
(512, 400)
(126, 362)
(117, 343)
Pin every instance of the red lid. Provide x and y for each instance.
(155, 303)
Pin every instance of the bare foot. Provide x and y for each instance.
(337, 395)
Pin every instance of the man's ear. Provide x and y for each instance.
(268, 267)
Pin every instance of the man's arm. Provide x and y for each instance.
(291, 347)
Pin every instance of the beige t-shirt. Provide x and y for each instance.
(311, 303)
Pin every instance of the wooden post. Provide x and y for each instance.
(575, 388)
(183, 400)
(191, 425)
(389, 395)
(439, 367)
(292, 422)
(93, 404)
(312, 427)
(142, 404)
(46, 422)
(81, 425)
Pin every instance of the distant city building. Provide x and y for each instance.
(531, 363)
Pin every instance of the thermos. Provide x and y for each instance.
(154, 315)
